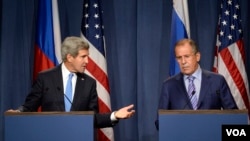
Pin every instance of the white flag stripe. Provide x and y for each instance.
(56, 31)
(181, 8)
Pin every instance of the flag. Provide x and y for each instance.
(179, 29)
(92, 31)
(48, 37)
(230, 56)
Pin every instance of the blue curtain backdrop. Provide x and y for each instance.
(137, 39)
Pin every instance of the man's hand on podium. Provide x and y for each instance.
(13, 111)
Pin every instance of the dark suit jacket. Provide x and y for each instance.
(214, 93)
(47, 92)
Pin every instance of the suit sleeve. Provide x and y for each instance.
(33, 100)
(101, 120)
(227, 98)
(164, 97)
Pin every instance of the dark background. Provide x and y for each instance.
(137, 39)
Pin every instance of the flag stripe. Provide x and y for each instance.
(181, 9)
(102, 136)
(179, 29)
(56, 31)
(44, 44)
(42, 62)
(44, 38)
(98, 73)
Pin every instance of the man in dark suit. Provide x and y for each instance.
(208, 90)
(49, 89)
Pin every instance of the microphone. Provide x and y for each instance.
(192, 94)
(59, 89)
(218, 95)
(67, 98)
(46, 89)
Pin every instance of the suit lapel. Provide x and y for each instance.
(79, 88)
(58, 82)
(182, 88)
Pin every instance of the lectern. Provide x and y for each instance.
(197, 125)
(49, 126)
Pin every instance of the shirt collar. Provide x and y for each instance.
(196, 74)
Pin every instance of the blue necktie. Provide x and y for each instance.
(68, 93)
(191, 92)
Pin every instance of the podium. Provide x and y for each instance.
(49, 126)
(197, 125)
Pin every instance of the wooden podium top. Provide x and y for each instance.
(162, 111)
(50, 113)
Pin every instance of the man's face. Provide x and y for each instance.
(187, 58)
(79, 63)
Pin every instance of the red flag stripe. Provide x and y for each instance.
(42, 61)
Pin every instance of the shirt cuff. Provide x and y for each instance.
(112, 117)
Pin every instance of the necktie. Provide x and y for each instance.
(191, 92)
(68, 93)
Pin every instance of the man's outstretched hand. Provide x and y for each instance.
(125, 112)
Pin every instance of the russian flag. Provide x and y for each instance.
(179, 29)
(48, 37)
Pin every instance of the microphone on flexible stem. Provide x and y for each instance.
(218, 95)
(192, 94)
(68, 99)
(59, 89)
(46, 90)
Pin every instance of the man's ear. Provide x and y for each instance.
(198, 56)
(69, 57)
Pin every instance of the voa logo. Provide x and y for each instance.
(236, 132)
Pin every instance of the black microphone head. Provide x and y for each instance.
(193, 92)
(58, 88)
(45, 90)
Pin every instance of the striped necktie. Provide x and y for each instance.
(191, 92)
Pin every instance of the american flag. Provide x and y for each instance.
(230, 55)
(92, 31)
